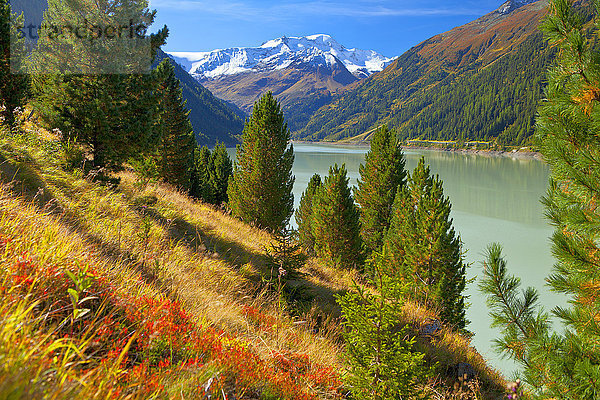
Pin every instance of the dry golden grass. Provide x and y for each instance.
(185, 250)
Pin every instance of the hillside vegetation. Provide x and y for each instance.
(481, 81)
(136, 291)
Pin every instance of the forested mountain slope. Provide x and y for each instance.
(304, 73)
(480, 81)
(213, 119)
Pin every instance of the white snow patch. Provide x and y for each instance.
(280, 53)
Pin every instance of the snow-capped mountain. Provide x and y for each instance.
(316, 50)
(512, 5)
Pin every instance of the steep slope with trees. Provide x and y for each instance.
(479, 81)
(212, 119)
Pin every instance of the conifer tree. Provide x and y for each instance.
(260, 191)
(200, 185)
(13, 84)
(380, 178)
(561, 363)
(221, 169)
(177, 143)
(423, 247)
(304, 215)
(382, 362)
(335, 221)
(100, 91)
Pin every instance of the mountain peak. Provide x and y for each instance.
(320, 50)
(512, 5)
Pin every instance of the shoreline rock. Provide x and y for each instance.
(520, 155)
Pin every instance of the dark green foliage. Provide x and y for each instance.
(146, 169)
(177, 144)
(380, 178)
(13, 86)
(444, 102)
(382, 362)
(261, 189)
(211, 173)
(335, 221)
(221, 169)
(213, 120)
(200, 187)
(299, 112)
(111, 113)
(561, 363)
(304, 215)
(424, 249)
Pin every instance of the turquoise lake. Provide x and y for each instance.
(494, 199)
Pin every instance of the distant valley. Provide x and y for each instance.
(304, 73)
(478, 82)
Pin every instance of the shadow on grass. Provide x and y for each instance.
(24, 180)
(22, 173)
(19, 172)
(203, 241)
(301, 293)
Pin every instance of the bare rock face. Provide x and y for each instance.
(512, 5)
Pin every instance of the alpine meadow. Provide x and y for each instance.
(268, 221)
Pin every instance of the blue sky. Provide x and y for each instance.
(387, 26)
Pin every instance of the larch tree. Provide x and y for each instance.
(561, 363)
(381, 176)
(424, 249)
(304, 215)
(260, 191)
(335, 221)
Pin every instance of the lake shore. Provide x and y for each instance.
(521, 155)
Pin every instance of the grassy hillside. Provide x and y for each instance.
(138, 292)
(481, 81)
(212, 119)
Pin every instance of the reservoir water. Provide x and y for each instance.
(494, 199)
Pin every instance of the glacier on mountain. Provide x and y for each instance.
(317, 50)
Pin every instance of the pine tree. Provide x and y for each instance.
(211, 174)
(260, 191)
(99, 92)
(177, 143)
(200, 180)
(561, 363)
(335, 221)
(13, 85)
(380, 178)
(304, 215)
(424, 248)
(380, 355)
(221, 169)
(284, 257)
